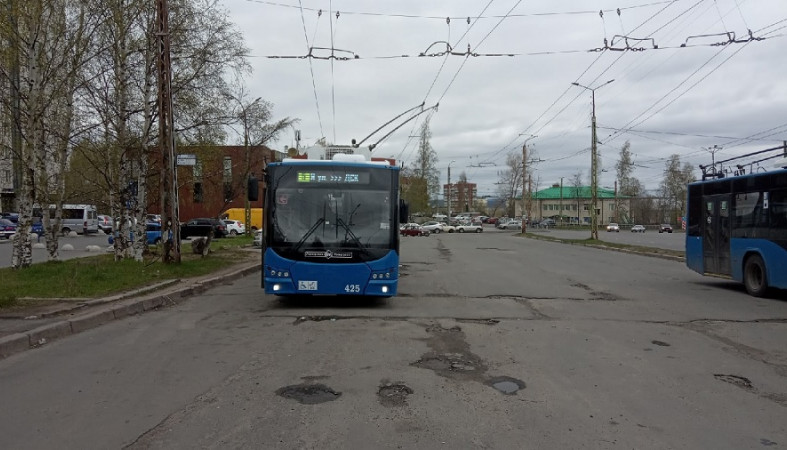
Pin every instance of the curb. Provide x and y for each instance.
(111, 310)
(614, 249)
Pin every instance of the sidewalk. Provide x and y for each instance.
(32, 328)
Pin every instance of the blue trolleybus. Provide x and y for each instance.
(737, 228)
(331, 227)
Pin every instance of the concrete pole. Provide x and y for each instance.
(593, 174)
(524, 175)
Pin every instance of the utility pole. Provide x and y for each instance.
(247, 150)
(593, 163)
(170, 222)
(561, 201)
(524, 174)
(449, 192)
(524, 180)
(617, 205)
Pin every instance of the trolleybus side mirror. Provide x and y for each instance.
(253, 189)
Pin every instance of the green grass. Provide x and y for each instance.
(100, 275)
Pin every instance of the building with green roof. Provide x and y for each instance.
(572, 205)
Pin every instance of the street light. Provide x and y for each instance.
(449, 191)
(593, 163)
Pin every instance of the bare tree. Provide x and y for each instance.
(674, 187)
(52, 40)
(423, 180)
(510, 181)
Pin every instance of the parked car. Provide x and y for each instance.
(447, 228)
(203, 226)
(7, 228)
(153, 218)
(37, 226)
(613, 227)
(235, 227)
(546, 223)
(433, 227)
(413, 229)
(514, 224)
(492, 220)
(469, 228)
(665, 228)
(12, 216)
(638, 229)
(152, 234)
(105, 223)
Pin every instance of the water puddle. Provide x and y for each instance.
(309, 394)
(506, 385)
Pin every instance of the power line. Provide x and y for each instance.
(311, 70)
(478, 17)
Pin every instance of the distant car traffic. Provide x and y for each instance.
(638, 229)
(665, 228)
(613, 227)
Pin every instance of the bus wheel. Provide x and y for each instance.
(754, 277)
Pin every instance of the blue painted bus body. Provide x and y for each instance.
(331, 228)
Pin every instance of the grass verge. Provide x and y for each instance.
(611, 245)
(101, 275)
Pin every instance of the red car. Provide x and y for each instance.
(491, 220)
(412, 229)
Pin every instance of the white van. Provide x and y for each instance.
(80, 218)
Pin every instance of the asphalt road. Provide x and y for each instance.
(79, 244)
(494, 342)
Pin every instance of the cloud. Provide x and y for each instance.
(678, 100)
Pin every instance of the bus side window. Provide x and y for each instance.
(778, 209)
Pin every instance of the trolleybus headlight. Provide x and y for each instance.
(374, 276)
(276, 287)
(286, 274)
(388, 275)
(385, 289)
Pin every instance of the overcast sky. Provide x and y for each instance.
(673, 100)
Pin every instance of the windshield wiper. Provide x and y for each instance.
(319, 222)
(348, 232)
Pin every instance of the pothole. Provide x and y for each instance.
(393, 394)
(741, 382)
(506, 385)
(450, 356)
(660, 343)
(309, 394)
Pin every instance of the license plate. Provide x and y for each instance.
(307, 285)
